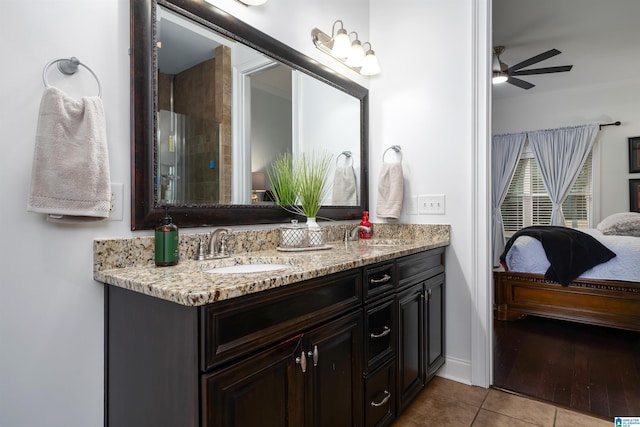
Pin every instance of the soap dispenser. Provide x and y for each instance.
(364, 234)
(166, 241)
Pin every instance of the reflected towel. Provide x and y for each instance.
(390, 188)
(70, 179)
(344, 187)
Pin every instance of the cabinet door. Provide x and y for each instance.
(334, 384)
(434, 291)
(411, 345)
(262, 390)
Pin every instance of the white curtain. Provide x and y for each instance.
(505, 153)
(560, 154)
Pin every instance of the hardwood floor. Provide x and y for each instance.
(587, 368)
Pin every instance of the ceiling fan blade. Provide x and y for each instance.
(547, 70)
(535, 59)
(520, 83)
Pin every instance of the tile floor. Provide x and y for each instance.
(448, 403)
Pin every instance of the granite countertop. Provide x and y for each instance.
(188, 284)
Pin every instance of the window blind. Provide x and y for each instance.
(528, 203)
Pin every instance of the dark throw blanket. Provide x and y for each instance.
(570, 252)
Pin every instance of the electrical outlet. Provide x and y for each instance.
(431, 204)
(117, 200)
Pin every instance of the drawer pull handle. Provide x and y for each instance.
(302, 361)
(383, 279)
(386, 398)
(314, 355)
(385, 331)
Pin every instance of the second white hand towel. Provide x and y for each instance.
(390, 191)
(344, 187)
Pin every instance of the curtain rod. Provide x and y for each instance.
(610, 124)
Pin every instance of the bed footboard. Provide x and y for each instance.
(606, 303)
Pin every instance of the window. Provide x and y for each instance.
(527, 202)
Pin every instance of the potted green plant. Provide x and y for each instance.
(299, 183)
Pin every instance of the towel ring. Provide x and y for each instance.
(347, 154)
(69, 66)
(395, 148)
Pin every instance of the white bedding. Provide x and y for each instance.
(527, 256)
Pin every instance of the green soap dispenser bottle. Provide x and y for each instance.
(166, 241)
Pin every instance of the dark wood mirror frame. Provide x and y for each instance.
(145, 213)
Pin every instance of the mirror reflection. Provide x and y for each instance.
(224, 111)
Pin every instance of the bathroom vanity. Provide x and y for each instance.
(343, 337)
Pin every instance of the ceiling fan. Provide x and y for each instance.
(503, 72)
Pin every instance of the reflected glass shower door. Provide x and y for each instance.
(188, 153)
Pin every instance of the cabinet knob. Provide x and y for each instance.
(302, 361)
(385, 331)
(314, 354)
(383, 279)
(386, 398)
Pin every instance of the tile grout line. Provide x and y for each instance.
(479, 408)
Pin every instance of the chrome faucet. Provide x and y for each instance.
(217, 249)
(351, 235)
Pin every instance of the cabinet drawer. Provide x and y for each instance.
(378, 280)
(379, 398)
(379, 332)
(420, 266)
(243, 325)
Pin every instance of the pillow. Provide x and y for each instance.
(621, 224)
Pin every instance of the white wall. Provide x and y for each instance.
(51, 310)
(594, 104)
(423, 101)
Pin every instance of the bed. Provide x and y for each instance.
(607, 294)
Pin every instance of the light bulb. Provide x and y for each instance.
(341, 44)
(499, 77)
(356, 54)
(370, 66)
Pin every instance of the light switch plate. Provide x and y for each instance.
(431, 204)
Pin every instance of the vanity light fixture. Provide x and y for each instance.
(341, 42)
(370, 66)
(351, 53)
(356, 54)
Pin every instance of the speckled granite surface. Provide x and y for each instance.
(128, 263)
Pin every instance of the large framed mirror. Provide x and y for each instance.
(213, 101)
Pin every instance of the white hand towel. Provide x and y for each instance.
(390, 191)
(70, 180)
(344, 187)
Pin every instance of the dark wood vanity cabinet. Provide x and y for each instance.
(311, 379)
(420, 305)
(348, 349)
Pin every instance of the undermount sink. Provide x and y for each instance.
(247, 268)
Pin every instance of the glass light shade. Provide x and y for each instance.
(341, 44)
(370, 66)
(356, 55)
(499, 77)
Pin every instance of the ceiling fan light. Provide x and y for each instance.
(499, 77)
